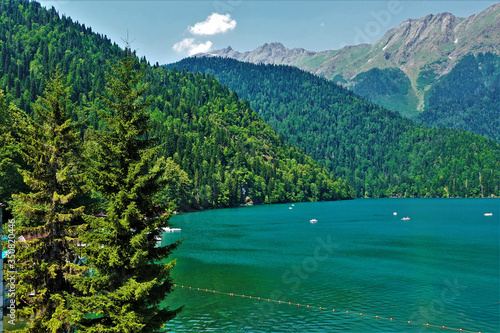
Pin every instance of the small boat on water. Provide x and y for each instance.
(405, 218)
(488, 214)
(395, 213)
(313, 221)
(168, 229)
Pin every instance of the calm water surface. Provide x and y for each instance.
(440, 267)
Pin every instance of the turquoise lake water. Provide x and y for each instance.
(441, 267)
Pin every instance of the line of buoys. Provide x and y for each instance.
(333, 310)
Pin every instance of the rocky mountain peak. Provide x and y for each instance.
(433, 43)
(268, 53)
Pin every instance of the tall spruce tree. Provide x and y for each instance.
(130, 274)
(11, 180)
(48, 215)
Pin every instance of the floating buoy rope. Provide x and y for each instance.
(333, 311)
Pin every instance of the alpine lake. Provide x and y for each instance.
(362, 267)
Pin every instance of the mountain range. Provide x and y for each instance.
(404, 68)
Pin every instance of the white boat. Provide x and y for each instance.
(289, 207)
(405, 219)
(313, 221)
(488, 214)
(395, 213)
(168, 229)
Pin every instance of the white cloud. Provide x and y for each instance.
(191, 46)
(214, 24)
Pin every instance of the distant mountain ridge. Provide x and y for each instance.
(417, 53)
(273, 53)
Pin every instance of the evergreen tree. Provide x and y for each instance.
(48, 215)
(130, 274)
(11, 180)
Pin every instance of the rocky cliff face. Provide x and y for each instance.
(442, 37)
(423, 49)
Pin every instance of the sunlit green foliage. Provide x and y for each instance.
(230, 156)
(130, 273)
(10, 160)
(49, 214)
(228, 152)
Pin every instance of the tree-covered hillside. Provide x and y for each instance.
(379, 152)
(228, 151)
(389, 87)
(468, 97)
(471, 75)
(230, 156)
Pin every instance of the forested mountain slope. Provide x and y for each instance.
(468, 97)
(228, 153)
(377, 150)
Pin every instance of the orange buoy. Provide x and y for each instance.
(409, 322)
(333, 310)
(443, 327)
(427, 325)
(307, 305)
(391, 319)
(243, 296)
(320, 307)
(347, 312)
(361, 314)
(376, 317)
(289, 303)
(250, 296)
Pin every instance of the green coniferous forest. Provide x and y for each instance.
(228, 156)
(468, 97)
(378, 151)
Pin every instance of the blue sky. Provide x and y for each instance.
(166, 31)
